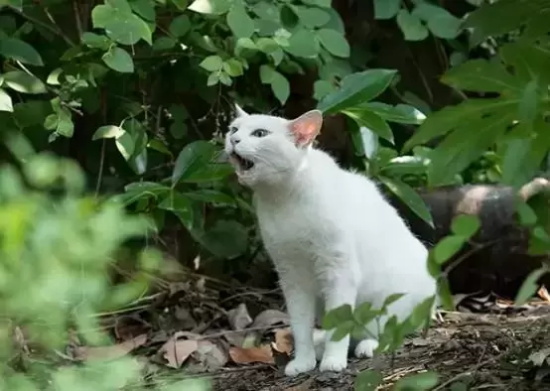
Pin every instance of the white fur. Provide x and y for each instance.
(332, 236)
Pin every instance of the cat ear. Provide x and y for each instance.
(239, 111)
(306, 127)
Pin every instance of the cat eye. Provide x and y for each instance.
(259, 133)
(232, 130)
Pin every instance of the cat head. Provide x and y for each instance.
(265, 149)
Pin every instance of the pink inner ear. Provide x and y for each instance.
(306, 127)
(304, 131)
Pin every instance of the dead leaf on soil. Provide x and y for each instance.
(177, 351)
(238, 317)
(543, 294)
(109, 352)
(284, 343)
(208, 357)
(269, 318)
(262, 354)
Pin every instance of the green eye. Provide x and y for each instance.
(259, 133)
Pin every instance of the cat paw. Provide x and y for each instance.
(333, 364)
(295, 367)
(366, 348)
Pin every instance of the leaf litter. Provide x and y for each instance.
(245, 344)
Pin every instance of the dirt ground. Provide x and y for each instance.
(482, 351)
(240, 341)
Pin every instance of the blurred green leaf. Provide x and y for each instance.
(210, 7)
(192, 158)
(370, 379)
(23, 82)
(386, 9)
(15, 49)
(119, 60)
(410, 197)
(529, 286)
(447, 247)
(334, 42)
(120, 23)
(180, 26)
(465, 225)
(239, 21)
(418, 382)
(411, 26)
(302, 43)
(5, 101)
(441, 23)
(337, 316)
(372, 121)
(180, 205)
(226, 239)
(212, 63)
(400, 113)
(356, 89)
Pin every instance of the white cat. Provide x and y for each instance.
(332, 236)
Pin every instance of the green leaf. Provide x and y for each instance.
(337, 316)
(441, 23)
(392, 299)
(239, 22)
(410, 197)
(208, 173)
(120, 23)
(211, 196)
(318, 3)
(23, 82)
(51, 122)
(192, 158)
(226, 239)
(212, 63)
(180, 26)
(322, 88)
(526, 214)
(266, 73)
(403, 114)
(280, 87)
(481, 75)
(5, 101)
(180, 205)
(334, 42)
(210, 7)
(364, 314)
(96, 41)
(411, 26)
(164, 43)
(233, 67)
(447, 247)
(372, 121)
(528, 106)
(418, 382)
(125, 145)
(108, 131)
(119, 60)
(386, 9)
(343, 329)
(311, 17)
(302, 43)
(465, 225)
(369, 379)
(144, 8)
(18, 50)
(529, 286)
(356, 89)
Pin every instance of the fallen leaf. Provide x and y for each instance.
(543, 294)
(109, 352)
(185, 320)
(305, 386)
(238, 317)
(208, 357)
(177, 351)
(284, 343)
(261, 354)
(269, 318)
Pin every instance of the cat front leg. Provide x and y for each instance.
(339, 289)
(300, 301)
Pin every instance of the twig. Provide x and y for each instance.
(231, 370)
(77, 19)
(468, 372)
(45, 26)
(101, 165)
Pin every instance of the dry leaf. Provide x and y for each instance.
(109, 352)
(261, 354)
(238, 317)
(284, 343)
(270, 318)
(208, 357)
(543, 294)
(177, 351)
(305, 386)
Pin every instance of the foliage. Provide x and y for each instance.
(56, 249)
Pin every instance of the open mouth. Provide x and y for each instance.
(243, 163)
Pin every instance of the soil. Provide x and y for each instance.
(481, 351)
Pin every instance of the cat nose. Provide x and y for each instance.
(235, 140)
